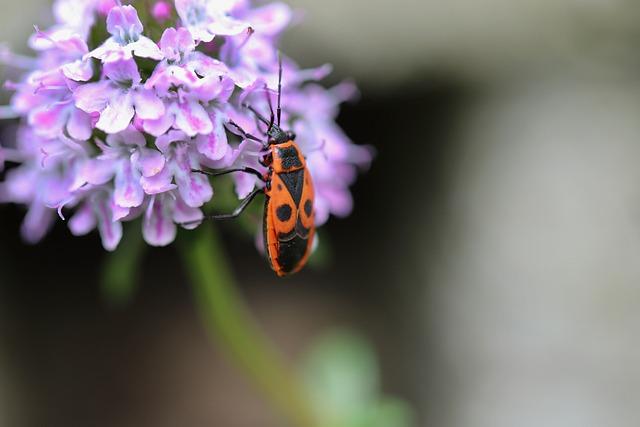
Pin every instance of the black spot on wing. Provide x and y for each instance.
(283, 212)
(291, 253)
(294, 181)
(290, 158)
(308, 207)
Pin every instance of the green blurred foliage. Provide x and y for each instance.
(342, 375)
(121, 269)
(322, 255)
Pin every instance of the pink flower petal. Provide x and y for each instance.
(148, 106)
(214, 145)
(226, 26)
(128, 191)
(245, 183)
(97, 172)
(158, 183)
(110, 230)
(271, 19)
(119, 212)
(93, 97)
(150, 162)
(158, 227)
(49, 120)
(194, 188)
(117, 116)
(192, 118)
(123, 19)
(79, 125)
(123, 71)
(128, 137)
(37, 222)
(161, 11)
(169, 43)
(83, 221)
(146, 48)
(159, 126)
(186, 216)
(79, 71)
(164, 142)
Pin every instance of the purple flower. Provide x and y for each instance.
(74, 16)
(119, 97)
(186, 96)
(126, 38)
(179, 48)
(184, 92)
(249, 55)
(206, 19)
(63, 50)
(46, 99)
(45, 96)
(161, 11)
(182, 157)
(126, 158)
(161, 216)
(123, 138)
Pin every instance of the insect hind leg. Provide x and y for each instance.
(236, 213)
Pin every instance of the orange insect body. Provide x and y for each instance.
(288, 224)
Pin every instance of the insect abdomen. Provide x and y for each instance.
(291, 253)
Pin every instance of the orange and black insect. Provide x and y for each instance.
(288, 220)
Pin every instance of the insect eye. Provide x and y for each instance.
(291, 135)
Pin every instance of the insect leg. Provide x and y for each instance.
(236, 213)
(226, 171)
(245, 135)
(241, 207)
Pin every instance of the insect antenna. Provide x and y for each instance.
(258, 115)
(279, 110)
(270, 123)
(272, 120)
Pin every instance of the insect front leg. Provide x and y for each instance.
(247, 135)
(227, 171)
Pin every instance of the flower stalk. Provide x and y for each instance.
(229, 320)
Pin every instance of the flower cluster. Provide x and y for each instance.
(114, 123)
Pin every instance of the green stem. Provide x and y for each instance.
(120, 271)
(228, 318)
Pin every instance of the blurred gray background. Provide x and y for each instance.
(504, 204)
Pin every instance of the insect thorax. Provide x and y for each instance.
(286, 157)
